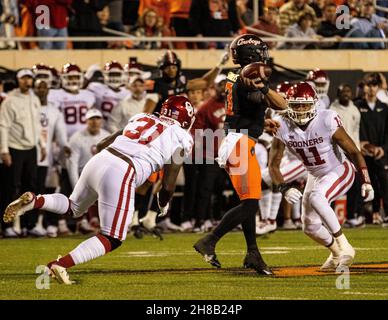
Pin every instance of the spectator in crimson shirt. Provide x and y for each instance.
(210, 121)
(59, 16)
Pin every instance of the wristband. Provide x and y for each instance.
(282, 188)
(364, 175)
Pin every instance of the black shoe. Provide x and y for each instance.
(137, 232)
(253, 260)
(207, 250)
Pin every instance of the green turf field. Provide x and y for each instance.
(171, 269)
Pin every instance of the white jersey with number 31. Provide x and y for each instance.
(314, 146)
(151, 142)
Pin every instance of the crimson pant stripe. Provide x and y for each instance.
(118, 209)
(293, 170)
(338, 181)
(343, 187)
(126, 207)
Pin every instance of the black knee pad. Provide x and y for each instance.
(250, 205)
(114, 243)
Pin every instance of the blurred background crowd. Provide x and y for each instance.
(310, 19)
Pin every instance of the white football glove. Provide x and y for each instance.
(163, 210)
(292, 195)
(367, 192)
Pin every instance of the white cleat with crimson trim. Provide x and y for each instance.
(19, 207)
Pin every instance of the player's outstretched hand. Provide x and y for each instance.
(271, 126)
(253, 83)
(292, 195)
(224, 57)
(367, 192)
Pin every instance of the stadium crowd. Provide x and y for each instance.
(51, 123)
(310, 19)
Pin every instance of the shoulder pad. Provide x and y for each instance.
(232, 76)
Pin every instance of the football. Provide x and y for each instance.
(256, 70)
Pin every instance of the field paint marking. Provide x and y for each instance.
(148, 254)
(366, 293)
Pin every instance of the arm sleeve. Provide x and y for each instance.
(332, 122)
(5, 124)
(73, 162)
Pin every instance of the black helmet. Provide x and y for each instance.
(169, 58)
(248, 48)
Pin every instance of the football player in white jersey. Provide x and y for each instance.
(73, 101)
(292, 169)
(147, 144)
(318, 139)
(112, 91)
(52, 126)
(319, 80)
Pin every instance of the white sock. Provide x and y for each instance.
(275, 204)
(296, 211)
(56, 203)
(265, 204)
(320, 204)
(88, 250)
(342, 242)
(334, 248)
(318, 233)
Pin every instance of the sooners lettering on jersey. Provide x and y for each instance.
(73, 107)
(106, 98)
(314, 146)
(151, 143)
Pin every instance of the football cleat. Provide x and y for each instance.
(10, 233)
(208, 252)
(19, 207)
(37, 231)
(52, 231)
(346, 257)
(347, 253)
(330, 264)
(253, 260)
(63, 229)
(289, 225)
(149, 224)
(60, 274)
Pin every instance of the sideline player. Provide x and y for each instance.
(320, 81)
(71, 99)
(319, 140)
(147, 144)
(110, 93)
(292, 170)
(246, 103)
